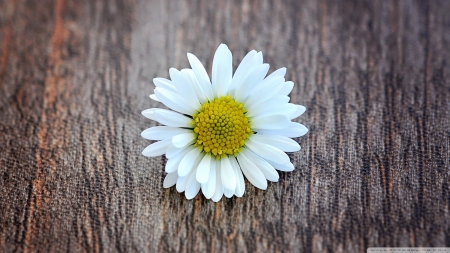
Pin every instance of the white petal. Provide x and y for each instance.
(240, 185)
(153, 96)
(259, 57)
(227, 174)
(184, 87)
(274, 121)
(192, 186)
(269, 172)
(247, 64)
(173, 163)
(156, 149)
(203, 169)
(170, 180)
(300, 110)
(149, 113)
(181, 183)
(189, 74)
(252, 172)
(164, 83)
(285, 108)
(175, 101)
(167, 117)
(219, 188)
(269, 103)
(266, 151)
(173, 151)
(201, 75)
(279, 72)
(282, 167)
(209, 188)
(189, 162)
(281, 142)
(228, 193)
(222, 70)
(261, 94)
(286, 88)
(182, 140)
(294, 130)
(243, 90)
(163, 132)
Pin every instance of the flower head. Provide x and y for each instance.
(220, 130)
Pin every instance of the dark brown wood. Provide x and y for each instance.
(373, 170)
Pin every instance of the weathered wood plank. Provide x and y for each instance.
(373, 170)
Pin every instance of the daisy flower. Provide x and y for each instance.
(219, 131)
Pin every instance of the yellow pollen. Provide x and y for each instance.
(221, 127)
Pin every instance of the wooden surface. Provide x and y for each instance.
(373, 170)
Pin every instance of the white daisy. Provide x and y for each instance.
(219, 131)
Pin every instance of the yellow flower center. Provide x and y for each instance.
(221, 127)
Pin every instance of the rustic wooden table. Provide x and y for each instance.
(373, 170)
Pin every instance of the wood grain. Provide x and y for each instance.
(373, 170)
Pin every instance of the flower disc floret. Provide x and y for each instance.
(221, 127)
